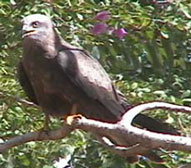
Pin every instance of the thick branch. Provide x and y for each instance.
(130, 115)
(131, 134)
(121, 138)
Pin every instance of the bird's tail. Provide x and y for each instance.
(154, 125)
(147, 122)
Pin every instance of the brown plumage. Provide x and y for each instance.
(56, 75)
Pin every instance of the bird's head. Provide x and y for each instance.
(37, 27)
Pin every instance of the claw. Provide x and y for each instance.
(70, 118)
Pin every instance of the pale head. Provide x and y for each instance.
(37, 27)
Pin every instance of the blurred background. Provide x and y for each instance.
(145, 46)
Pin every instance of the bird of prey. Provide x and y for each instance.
(60, 77)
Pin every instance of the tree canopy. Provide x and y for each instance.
(144, 45)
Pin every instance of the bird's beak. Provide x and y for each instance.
(27, 32)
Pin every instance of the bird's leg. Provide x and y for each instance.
(46, 122)
(74, 109)
(45, 127)
(73, 114)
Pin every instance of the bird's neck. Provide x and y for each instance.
(51, 45)
(48, 47)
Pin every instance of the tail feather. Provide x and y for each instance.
(147, 122)
(154, 125)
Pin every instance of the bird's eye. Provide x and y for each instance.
(35, 24)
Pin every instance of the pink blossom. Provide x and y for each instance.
(99, 28)
(120, 33)
(104, 15)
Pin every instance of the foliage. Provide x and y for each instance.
(152, 61)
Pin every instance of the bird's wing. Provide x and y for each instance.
(87, 73)
(25, 83)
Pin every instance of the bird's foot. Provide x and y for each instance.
(70, 118)
(45, 127)
(44, 130)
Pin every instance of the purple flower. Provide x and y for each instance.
(99, 28)
(120, 33)
(104, 15)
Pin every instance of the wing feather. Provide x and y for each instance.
(25, 83)
(88, 74)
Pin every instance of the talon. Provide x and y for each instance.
(45, 127)
(70, 118)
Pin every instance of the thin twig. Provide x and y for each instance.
(18, 99)
(36, 136)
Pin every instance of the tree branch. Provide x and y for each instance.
(36, 136)
(130, 134)
(121, 138)
(120, 150)
(128, 116)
